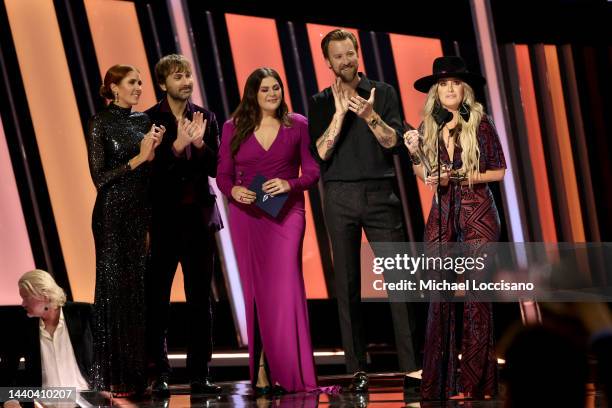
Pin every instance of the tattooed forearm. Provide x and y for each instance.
(326, 143)
(384, 133)
(386, 141)
(324, 137)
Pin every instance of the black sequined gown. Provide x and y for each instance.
(120, 224)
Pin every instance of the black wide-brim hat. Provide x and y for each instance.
(447, 67)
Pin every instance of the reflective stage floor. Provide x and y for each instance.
(386, 390)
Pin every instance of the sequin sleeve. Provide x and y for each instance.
(96, 155)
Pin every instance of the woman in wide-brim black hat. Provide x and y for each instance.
(471, 156)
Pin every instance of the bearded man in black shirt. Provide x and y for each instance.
(355, 127)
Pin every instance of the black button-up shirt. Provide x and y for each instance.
(357, 154)
(183, 178)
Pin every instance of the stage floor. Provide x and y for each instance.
(386, 390)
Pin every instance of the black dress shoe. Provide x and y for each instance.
(204, 386)
(270, 391)
(261, 391)
(278, 390)
(360, 382)
(160, 388)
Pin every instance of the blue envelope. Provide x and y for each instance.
(268, 203)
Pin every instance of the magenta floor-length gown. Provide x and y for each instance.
(269, 252)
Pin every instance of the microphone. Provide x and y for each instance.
(442, 116)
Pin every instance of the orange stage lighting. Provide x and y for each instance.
(59, 134)
(413, 59)
(536, 148)
(561, 133)
(118, 40)
(15, 251)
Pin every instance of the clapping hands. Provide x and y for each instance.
(191, 132)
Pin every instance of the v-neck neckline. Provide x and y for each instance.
(273, 142)
(451, 159)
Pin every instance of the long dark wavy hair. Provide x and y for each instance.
(248, 114)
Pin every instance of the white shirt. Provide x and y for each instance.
(59, 366)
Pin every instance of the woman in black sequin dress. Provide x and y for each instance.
(120, 145)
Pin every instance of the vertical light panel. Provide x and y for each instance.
(15, 251)
(316, 32)
(118, 40)
(255, 43)
(314, 279)
(536, 148)
(413, 58)
(183, 36)
(561, 133)
(489, 59)
(224, 239)
(59, 135)
(579, 138)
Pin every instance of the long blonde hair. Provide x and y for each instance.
(468, 138)
(41, 284)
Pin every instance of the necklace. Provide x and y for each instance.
(451, 134)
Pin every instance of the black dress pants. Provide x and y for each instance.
(180, 235)
(374, 206)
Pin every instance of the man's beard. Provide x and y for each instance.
(179, 96)
(347, 75)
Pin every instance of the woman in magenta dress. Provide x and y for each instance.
(473, 157)
(262, 138)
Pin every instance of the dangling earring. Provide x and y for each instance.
(116, 97)
(436, 108)
(436, 105)
(464, 111)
